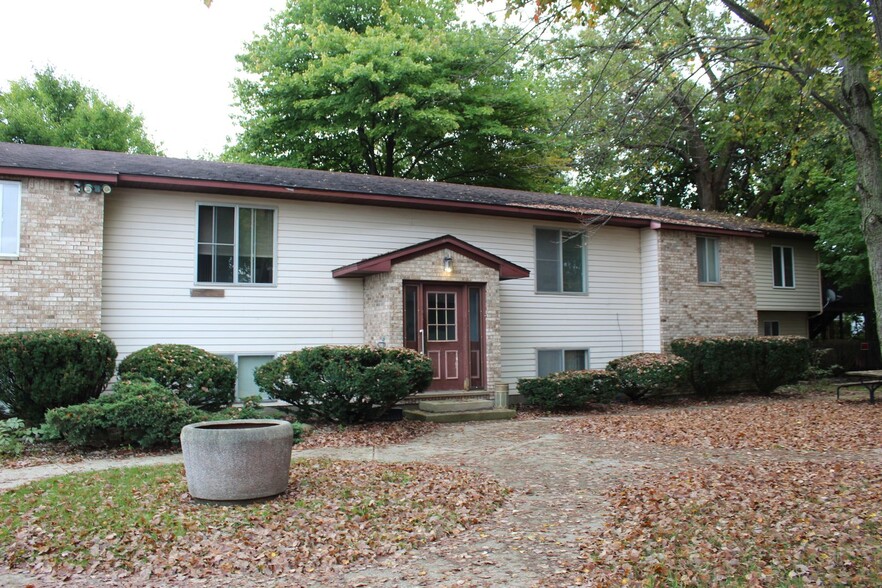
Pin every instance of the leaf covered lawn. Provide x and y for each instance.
(765, 524)
(141, 523)
(816, 424)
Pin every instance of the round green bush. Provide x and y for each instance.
(138, 411)
(568, 390)
(345, 384)
(200, 378)
(40, 370)
(647, 374)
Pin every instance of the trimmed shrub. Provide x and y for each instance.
(568, 390)
(200, 378)
(714, 361)
(139, 411)
(40, 370)
(776, 361)
(648, 374)
(346, 384)
(763, 362)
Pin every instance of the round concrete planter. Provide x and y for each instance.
(237, 460)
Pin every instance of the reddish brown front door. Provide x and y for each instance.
(445, 322)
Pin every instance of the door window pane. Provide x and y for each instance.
(441, 310)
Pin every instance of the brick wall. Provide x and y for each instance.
(55, 282)
(384, 301)
(692, 309)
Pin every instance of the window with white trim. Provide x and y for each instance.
(782, 267)
(245, 366)
(10, 217)
(708, 260)
(771, 328)
(560, 261)
(235, 245)
(550, 361)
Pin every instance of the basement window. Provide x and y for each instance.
(550, 361)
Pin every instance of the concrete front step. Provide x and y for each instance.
(491, 414)
(455, 405)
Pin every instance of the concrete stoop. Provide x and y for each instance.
(457, 411)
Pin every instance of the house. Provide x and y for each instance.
(252, 261)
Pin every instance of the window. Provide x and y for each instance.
(245, 384)
(782, 267)
(771, 328)
(561, 360)
(236, 245)
(245, 366)
(560, 261)
(708, 260)
(10, 207)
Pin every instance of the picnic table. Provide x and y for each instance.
(869, 379)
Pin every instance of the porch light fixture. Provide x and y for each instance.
(448, 264)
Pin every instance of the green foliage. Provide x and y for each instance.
(775, 361)
(200, 378)
(767, 362)
(138, 412)
(345, 384)
(40, 370)
(61, 112)
(568, 390)
(396, 88)
(648, 374)
(12, 431)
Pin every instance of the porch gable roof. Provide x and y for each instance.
(383, 263)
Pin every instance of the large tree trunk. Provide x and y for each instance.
(857, 101)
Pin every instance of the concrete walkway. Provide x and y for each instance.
(11, 478)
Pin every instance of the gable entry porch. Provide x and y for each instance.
(441, 298)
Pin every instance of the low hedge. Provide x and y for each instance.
(776, 361)
(345, 384)
(648, 374)
(568, 390)
(138, 411)
(200, 378)
(764, 362)
(40, 370)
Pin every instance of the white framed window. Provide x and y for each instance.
(708, 260)
(771, 328)
(560, 261)
(782, 267)
(550, 361)
(235, 244)
(10, 218)
(245, 366)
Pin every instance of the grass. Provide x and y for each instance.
(142, 521)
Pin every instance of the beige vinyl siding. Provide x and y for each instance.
(789, 323)
(806, 295)
(149, 272)
(651, 291)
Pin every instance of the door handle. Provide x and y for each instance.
(422, 341)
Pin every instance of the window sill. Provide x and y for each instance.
(222, 285)
(538, 293)
(9, 256)
(710, 284)
(783, 287)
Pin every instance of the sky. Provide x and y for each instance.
(172, 60)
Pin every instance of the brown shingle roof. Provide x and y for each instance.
(283, 182)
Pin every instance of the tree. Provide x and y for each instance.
(395, 88)
(830, 49)
(58, 111)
